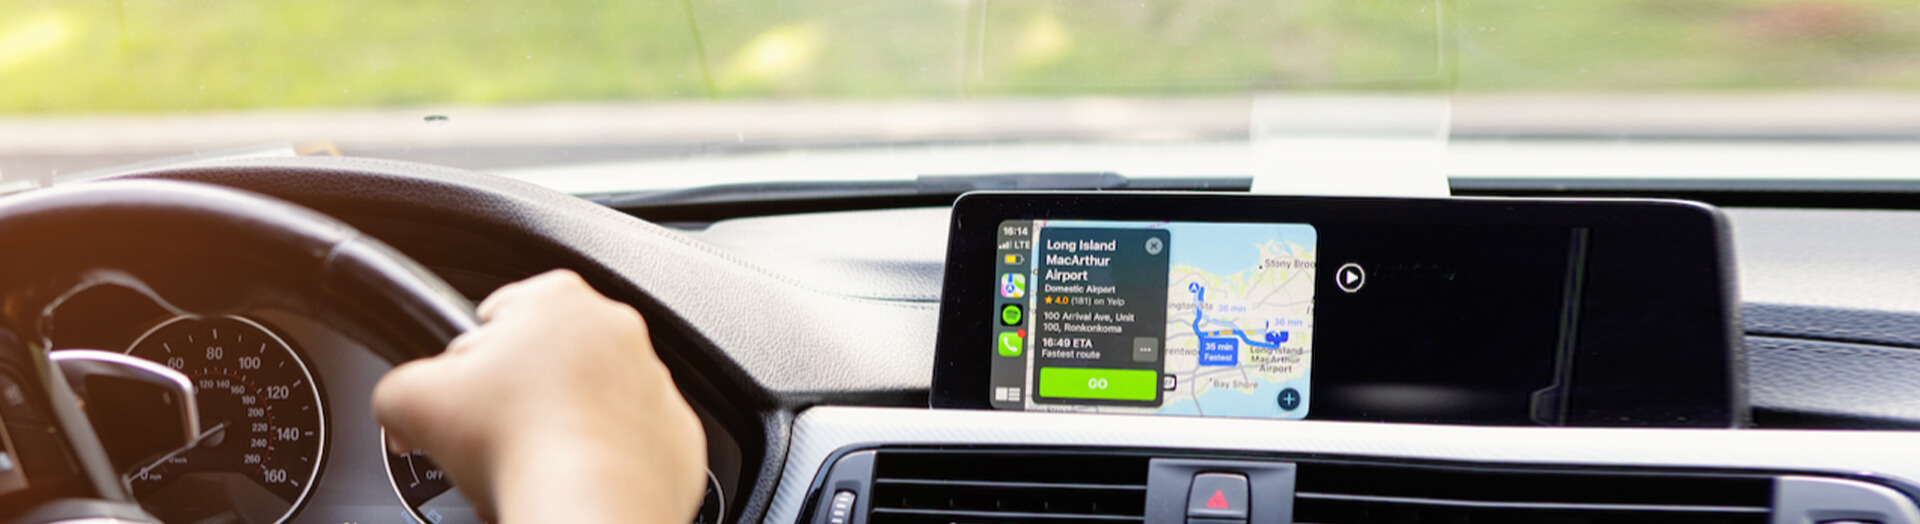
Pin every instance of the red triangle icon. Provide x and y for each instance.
(1219, 500)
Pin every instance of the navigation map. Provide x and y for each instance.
(1239, 319)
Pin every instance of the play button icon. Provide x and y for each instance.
(1350, 277)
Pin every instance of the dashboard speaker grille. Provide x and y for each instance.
(953, 486)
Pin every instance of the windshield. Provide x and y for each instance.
(606, 96)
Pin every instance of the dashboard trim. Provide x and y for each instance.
(821, 432)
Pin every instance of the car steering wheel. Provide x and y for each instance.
(198, 250)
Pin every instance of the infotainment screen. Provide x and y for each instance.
(1511, 312)
(1156, 317)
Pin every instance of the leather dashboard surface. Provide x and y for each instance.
(832, 307)
(796, 336)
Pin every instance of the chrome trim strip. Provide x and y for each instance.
(819, 432)
(1423, 501)
(189, 418)
(996, 514)
(1799, 499)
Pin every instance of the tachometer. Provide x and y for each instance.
(263, 416)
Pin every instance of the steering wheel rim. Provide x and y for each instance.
(200, 249)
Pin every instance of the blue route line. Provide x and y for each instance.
(1200, 295)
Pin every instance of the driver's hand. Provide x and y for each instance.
(555, 410)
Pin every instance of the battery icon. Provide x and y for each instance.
(1014, 259)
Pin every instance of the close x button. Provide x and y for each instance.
(1218, 496)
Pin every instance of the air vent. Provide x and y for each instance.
(947, 486)
(1348, 493)
(986, 485)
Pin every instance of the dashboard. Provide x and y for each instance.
(828, 351)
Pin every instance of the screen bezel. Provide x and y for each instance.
(1694, 235)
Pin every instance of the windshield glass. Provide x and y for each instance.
(615, 95)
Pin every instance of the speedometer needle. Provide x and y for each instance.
(219, 430)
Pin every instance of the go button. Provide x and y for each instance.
(1099, 384)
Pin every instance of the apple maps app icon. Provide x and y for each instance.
(1013, 285)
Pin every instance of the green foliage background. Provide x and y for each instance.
(74, 56)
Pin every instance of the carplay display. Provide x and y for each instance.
(1157, 317)
(1510, 312)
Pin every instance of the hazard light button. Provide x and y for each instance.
(1218, 496)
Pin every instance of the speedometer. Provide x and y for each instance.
(262, 414)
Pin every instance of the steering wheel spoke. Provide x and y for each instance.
(197, 250)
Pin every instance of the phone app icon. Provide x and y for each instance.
(1013, 285)
(1011, 315)
(1012, 342)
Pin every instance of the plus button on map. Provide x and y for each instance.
(1289, 399)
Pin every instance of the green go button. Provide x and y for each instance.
(1096, 383)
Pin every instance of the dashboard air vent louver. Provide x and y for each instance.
(1051, 486)
(1345, 493)
(977, 486)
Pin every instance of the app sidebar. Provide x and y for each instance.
(1013, 272)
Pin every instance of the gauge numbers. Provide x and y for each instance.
(264, 417)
